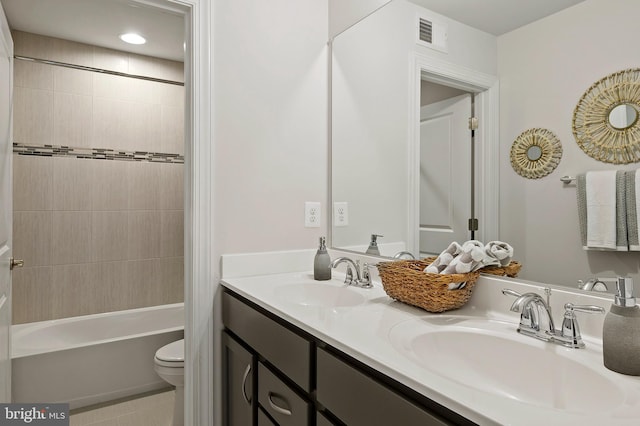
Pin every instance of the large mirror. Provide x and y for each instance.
(403, 164)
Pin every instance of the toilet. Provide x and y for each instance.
(169, 364)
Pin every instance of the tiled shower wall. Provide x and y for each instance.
(96, 235)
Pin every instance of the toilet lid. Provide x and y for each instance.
(173, 352)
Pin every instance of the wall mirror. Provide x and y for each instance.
(535, 153)
(605, 120)
(387, 178)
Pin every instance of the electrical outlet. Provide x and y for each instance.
(312, 214)
(340, 214)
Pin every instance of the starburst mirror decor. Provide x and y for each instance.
(605, 121)
(535, 153)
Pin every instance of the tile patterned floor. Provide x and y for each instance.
(155, 409)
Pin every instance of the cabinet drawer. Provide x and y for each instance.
(284, 349)
(357, 399)
(280, 401)
(263, 419)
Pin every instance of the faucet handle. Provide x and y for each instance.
(509, 292)
(570, 334)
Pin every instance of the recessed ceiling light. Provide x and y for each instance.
(133, 38)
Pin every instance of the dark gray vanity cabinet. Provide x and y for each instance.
(277, 374)
(239, 365)
(283, 376)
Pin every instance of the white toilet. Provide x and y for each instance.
(169, 364)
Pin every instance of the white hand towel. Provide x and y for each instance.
(601, 209)
(500, 251)
(635, 245)
(470, 259)
(444, 258)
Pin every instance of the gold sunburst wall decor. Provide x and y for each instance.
(535, 153)
(605, 121)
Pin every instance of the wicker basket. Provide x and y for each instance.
(511, 270)
(406, 281)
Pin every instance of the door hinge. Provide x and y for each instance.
(473, 123)
(473, 224)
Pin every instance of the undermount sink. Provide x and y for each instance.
(320, 295)
(490, 356)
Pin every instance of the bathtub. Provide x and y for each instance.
(92, 359)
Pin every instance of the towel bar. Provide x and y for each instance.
(567, 179)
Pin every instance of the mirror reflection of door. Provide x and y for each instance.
(445, 167)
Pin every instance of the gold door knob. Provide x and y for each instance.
(15, 263)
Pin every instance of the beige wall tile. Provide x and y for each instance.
(109, 236)
(72, 53)
(110, 185)
(71, 237)
(144, 185)
(143, 91)
(32, 236)
(32, 293)
(72, 183)
(112, 127)
(143, 240)
(171, 95)
(76, 291)
(156, 67)
(69, 80)
(111, 277)
(171, 233)
(172, 186)
(72, 120)
(31, 45)
(32, 116)
(142, 277)
(146, 123)
(112, 87)
(172, 134)
(172, 279)
(32, 182)
(33, 75)
(109, 59)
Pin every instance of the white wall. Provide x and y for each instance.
(270, 121)
(544, 68)
(344, 13)
(372, 63)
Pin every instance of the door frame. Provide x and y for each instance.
(487, 140)
(202, 404)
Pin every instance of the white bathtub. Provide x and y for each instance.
(92, 359)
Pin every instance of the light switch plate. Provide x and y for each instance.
(312, 214)
(340, 213)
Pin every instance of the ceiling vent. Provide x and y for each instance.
(432, 34)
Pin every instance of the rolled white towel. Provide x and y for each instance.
(444, 258)
(470, 259)
(499, 250)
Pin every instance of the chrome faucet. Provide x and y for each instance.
(407, 254)
(595, 284)
(363, 280)
(535, 316)
(536, 319)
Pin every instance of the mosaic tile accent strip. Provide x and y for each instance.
(96, 153)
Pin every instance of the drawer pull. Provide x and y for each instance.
(244, 384)
(278, 409)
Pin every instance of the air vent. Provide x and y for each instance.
(432, 34)
(426, 31)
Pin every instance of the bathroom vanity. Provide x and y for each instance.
(303, 352)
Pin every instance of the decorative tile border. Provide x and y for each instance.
(96, 153)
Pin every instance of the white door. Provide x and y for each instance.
(6, 214)
(445, 173)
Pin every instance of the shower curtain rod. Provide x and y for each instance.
(102, 71)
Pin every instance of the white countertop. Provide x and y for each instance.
(363, 332)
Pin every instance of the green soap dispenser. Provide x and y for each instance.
(322, 263)
(621, 331)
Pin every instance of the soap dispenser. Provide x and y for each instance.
(322, 263)
(621, 331)
(373, 245)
